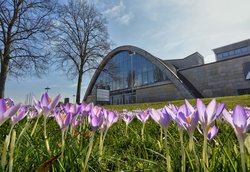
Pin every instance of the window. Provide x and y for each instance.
(231, 53)
(243, 91)
(219, 56)
(246, 70)
(237, 51)
(145, 78)
(225, 54)
(244, 49)
(150, 77)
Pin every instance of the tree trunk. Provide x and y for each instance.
(3, 76)
(79, 84)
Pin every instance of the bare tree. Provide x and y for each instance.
(25, 27)
(82, 41)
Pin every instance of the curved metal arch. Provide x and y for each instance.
(166, 68)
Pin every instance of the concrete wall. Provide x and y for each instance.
(222, 78)
(189, 61)
(158, 93)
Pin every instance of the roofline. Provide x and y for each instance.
(214, 49)
(219, 61)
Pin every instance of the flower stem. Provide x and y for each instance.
(182, 151)
(142, 131)
(204, 152)
(5, 149)
(126, 131)
(45, 136)
(89, 151)
(169, 169)
(161, 130)
(101, 145)
(23, 130)
(243, 164)
(63, 146)
(34, 128)
(79, 133)
(192, 149)
(12, 148)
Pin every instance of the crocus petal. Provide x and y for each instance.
(189, 106)
(89, 107)
(194, 119)
(21, 113)
(45, 99)
(9, 113)
(211, 111)
(212, 132)
(2, 106)
(228, 117)
(219, 110)
(155, 115)
(94, 122)
(182, 113)
(111, 116)
(239, 117)
(58, 119)
(67, 120)
(170, 112)
(55, 101)
(35, 101)
(95, 110)
(201, 110)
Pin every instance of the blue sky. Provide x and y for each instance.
(168, 29)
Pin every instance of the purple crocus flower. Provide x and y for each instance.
(9, 102)
(46, 105)
(241, 124)
(19, 115)
(178, 114)
(143, 116)
(207, 115)
(161, 117)
(127, 116)
(32, 112)
(86, 108)
(110, 118)
(73, 109)
(6, 112)
(212, 132)
(96, 117)
(191, 117)
(238, 120)
(62, 118)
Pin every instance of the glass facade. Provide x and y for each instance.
(126, 72)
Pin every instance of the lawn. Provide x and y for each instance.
(123, 150)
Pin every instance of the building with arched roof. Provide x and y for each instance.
(129, 74)
(132, 75)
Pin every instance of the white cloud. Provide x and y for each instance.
(119, 13)
(126, 18)
(73, 85)
(115, 11)
(210, 58)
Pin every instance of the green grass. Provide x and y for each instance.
(230, 102)
(130, 153)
